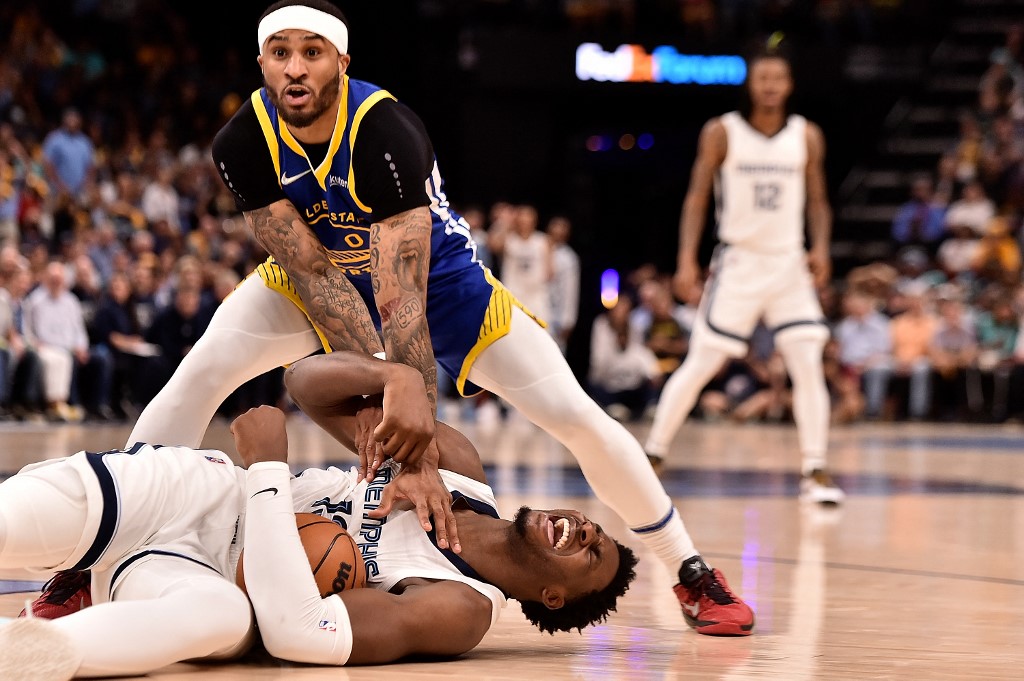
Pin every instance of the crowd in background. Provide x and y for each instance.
(118, 240)
(936, 332)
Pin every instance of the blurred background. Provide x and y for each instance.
(920, 102)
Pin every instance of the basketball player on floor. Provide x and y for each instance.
(163, 529)
(769, 169)
(339, 183)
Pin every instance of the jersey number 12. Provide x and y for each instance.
(766, 196)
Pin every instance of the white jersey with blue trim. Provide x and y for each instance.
(395, 547)
(761, 186)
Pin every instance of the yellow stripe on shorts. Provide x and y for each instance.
(276, 279)
(497, 322)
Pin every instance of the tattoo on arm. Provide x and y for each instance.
(400, 258)
(330, 298)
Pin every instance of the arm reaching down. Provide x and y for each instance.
(400, 258)
(331, 300)
(440, 618)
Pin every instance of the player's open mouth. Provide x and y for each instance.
(297, 95)
(560, 532)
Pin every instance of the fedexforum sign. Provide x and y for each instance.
(664, 64)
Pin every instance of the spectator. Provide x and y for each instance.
(865, 349)
(161, 205)
(912, 333)
(177, 328)
(997, 340)
(919, 221)
(104, 249)
(1001, 156)
(958, 252)
(116, 329)
(69, 156)
(55, 326)
(525, 255)
(665, 335)
(21, 373)
(998, 258)
(565, 281)
(623, 371)
(953, 352)
(973, 209)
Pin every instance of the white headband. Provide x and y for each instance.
(307, 19)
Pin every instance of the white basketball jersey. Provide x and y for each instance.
(396, 547)
(191, 503)
(761, 186)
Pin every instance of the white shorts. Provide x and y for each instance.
(747, 286)
(148, 502)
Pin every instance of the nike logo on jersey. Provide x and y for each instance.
(269, 489)
(692, 609)
(285, 180)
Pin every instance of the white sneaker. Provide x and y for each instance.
(35, 649)
(819, 487)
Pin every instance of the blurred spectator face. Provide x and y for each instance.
(72, 120)
(947, 166)
(526, 220)
(558, 230)
(54, 279)
(661, 302)
(618, 316)
(951, 311)
(142, 242)
(186, 301)
(1004, 314)
(770, 83)
(119, 288)
(921, 190)
(973, 191)
(142, 279)
(856, 305)
(19, 282)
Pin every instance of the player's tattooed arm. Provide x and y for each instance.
(331, 300)
(400, 262)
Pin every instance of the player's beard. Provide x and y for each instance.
(522, 548)
(321, 101)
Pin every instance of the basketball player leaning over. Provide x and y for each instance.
(769, 169)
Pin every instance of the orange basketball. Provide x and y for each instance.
(333, 555)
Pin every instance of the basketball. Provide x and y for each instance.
(333, 555)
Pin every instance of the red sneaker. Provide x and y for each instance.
(65, 593)
(709, 606)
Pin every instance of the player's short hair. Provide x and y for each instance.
(321, 5)
(591, 608)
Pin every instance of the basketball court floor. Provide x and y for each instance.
(919, 575)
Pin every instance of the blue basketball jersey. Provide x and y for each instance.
(467, 308)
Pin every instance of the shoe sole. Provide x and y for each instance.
(719, 628)
(33, 649)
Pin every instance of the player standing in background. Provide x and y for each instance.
(767, 168)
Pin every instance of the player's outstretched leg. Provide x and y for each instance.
(526, 369)
(34, 649)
